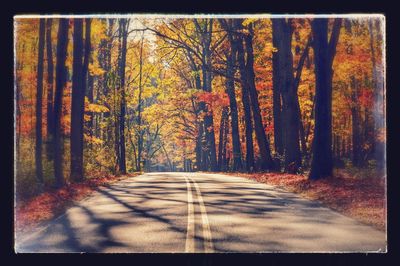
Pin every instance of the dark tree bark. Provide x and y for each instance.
(287, 85)
(246, 106)
(324, 53)
(222, 133)
(77, 104)
(297, 77)
(39, 98)
(124, 24)
(224, 163)
(61, 79)
(104, 60)
(87, 77)
(277, 96)
(198, 146)
(263, 144)
(86, 58)
(200, 149)
(50, 89)
(378, 83)
(139, 119)
(206, 33)
(230, 89)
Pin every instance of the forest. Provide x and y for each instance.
(115, 95)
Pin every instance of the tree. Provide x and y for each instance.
(277, 96)
(223, 128)
(246, 102)
(61, 79)
(77, 106)
(263, 144)
(287, 117)
(87, 81)
(324, 53)
(379, 85)
(50, 87)
(39, 96)
(204, 29)
(123, 31)
(230, 89)
(139, 107)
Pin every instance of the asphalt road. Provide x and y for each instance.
(197, 212)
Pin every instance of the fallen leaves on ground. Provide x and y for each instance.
(363, 199)
(53, 202)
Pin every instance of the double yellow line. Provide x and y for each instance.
(190, 232)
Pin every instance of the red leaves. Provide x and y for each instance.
(360, 198)
(366, 98)
(213, 98)
(51, 203)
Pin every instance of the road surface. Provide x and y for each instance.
(198, 212)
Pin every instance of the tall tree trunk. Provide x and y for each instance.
(246, 106)
(230, 90)
(297, 78)
(198, 146)
(222, 130)
(282, 33)
(277, 85)
(140, 134)
(324, 53)
(209, 120)
(379, 107)
(50, 89)
(87, 81)
(105, 62)
(263, 144)
(124, 24)
(224, 164)
(77, 104)
(201, 108)
(205, 36)
(39, 96)
(61, 79)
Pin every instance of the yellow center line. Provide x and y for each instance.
(189, 246)
(208, 245)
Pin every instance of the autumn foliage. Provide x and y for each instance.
(200, 94)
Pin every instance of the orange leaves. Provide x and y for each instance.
(269, 128)
(96, 108)
(365, 98)
(347, 194)
(263, 85)
(52, 202)
(213, 98)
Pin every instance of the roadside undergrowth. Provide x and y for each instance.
(363, 199)
(52, 202)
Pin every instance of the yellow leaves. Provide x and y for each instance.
(95, 70)
(86, 118)
(94, 108)
(248, 21)
(98, 29)
(92, 139)
(97, 108)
